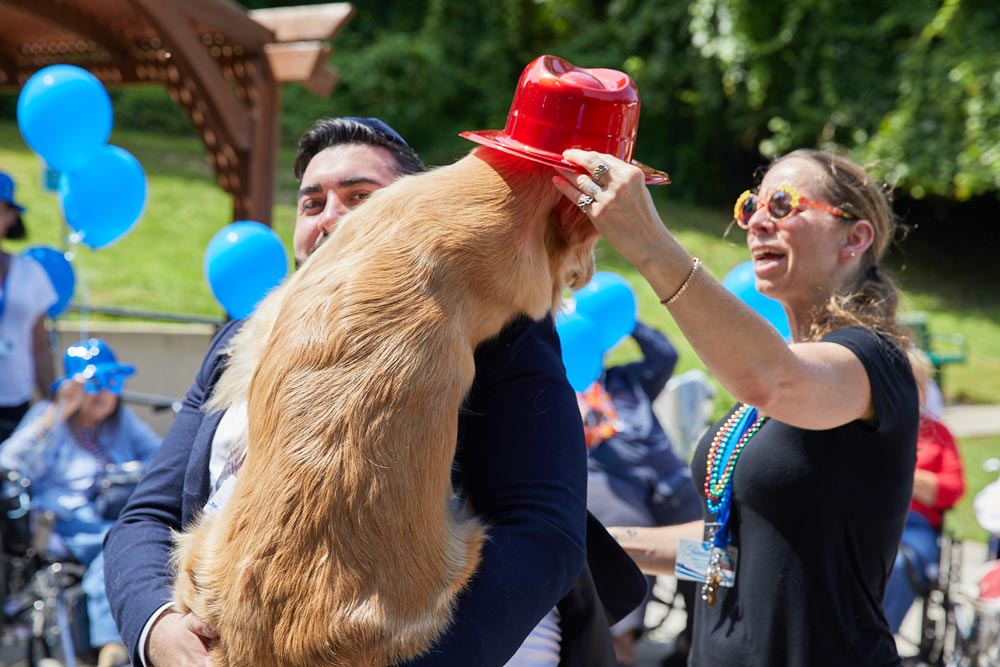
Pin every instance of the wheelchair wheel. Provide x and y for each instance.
(55, 628)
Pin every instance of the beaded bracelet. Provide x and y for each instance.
(684, 285)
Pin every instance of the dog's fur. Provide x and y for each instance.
(340, 545)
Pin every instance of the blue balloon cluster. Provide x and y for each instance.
(243, 262)
(581, 352)
(605, 314)
(65, 115)
(105, 197)
(60, 273)
(742, 283)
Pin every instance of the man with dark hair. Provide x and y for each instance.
(340, 161)
(520, 463)
(327, 132)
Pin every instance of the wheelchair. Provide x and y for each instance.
(957, 629)
(42, 603)
(937, 610)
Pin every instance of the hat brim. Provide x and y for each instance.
(11, 202)
(500, 141)
(93, 370)
(111, 369)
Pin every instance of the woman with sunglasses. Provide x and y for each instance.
(71, 449)
(807, 481)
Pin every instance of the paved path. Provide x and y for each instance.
(972, 421)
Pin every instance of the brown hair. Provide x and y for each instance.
(869, 299)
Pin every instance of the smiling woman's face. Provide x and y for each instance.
(796, 258)
(97, 407)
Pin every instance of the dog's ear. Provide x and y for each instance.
(579, 264)
(580, 237)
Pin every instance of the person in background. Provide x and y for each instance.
(634, 478)
(807, 481)
(25, 294)
(514, 464)
(938, 484)
(65, 448)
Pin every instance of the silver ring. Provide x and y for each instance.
(592, 188)
(584, 201)
(600, 170)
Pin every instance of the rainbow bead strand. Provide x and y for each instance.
(719, 474)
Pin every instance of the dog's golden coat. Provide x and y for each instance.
(340, 545)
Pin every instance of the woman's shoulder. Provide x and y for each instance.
(872, 341)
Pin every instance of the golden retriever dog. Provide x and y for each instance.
(341, 545)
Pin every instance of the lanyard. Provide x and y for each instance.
(726, 449)
(723, 455)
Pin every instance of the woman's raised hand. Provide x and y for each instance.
(69, 396)
(614, 194)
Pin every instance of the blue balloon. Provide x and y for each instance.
(104, 198)
(60, 273)
(608, 301)
(243, 262)
(741, 282)
(64, 114)
(582, 354)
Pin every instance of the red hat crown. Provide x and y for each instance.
(558, 106)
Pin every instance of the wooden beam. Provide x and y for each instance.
(255, 198)
(322, 82)
(306, 22)
(295, 61)
(190, 56)
(67, 16)
(228, 18)
(10, 70)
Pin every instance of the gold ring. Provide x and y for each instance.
(584, 201)
(600, 170)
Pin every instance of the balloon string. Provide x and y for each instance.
(83, 282)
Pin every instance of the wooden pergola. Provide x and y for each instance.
(221, 63)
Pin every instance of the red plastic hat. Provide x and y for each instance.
(558, 106)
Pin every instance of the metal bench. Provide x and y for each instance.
(941, 348)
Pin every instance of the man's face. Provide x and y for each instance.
(336, 180)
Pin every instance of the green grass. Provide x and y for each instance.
(158, 267)
(961, 521)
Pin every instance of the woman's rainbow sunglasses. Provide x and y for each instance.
(783, 202)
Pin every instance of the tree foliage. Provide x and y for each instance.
(912, 88)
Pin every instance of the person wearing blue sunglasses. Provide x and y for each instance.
(67, 447)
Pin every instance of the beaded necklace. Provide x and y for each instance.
(724, 452)
(727, 445)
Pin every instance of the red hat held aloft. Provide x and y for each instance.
(558, 106)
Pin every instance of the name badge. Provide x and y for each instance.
(693, 560)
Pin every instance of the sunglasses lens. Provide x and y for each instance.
(780, 205)
(745, 207)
